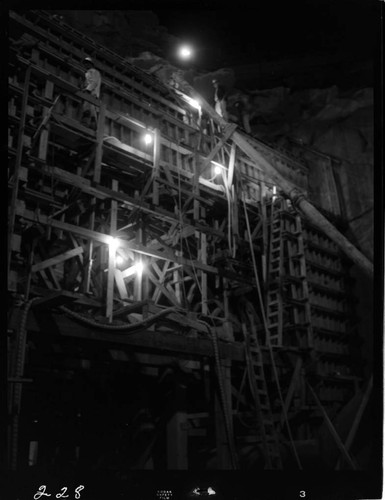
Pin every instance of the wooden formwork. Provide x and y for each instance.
(146, 245)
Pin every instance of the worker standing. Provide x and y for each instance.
(219, 97)
(92, 83)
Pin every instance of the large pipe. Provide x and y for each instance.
(296, 196)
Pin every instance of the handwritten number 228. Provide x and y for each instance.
(43, 488)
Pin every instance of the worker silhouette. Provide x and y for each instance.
(92, 83)
(219, 98)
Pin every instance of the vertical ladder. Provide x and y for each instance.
(274, 305)
(288, 309)
(298, 299)
(259, 389)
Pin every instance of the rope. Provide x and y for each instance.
(268, 334)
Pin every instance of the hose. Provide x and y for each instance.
(16, 390)
(127, 327)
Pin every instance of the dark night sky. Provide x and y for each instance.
(274, 30)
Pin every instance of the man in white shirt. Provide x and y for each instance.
(92, 85)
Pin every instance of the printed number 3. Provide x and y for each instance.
(302, 494)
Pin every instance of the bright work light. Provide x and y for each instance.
(119, 260)
(185, 52)
(138, 267)
(113, 243)
(217, 170)
(148, 139)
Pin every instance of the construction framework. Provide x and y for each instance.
(159, 238)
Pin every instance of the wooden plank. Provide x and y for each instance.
(161, 275)
(144, 340)
(121, 286)
(332, 429)
(292, 387)
(111, 256)
(230, 174)
(357, 420)
(169, 294)
(43, 143)
(54, 299)
(155, 172)
(131, 308)
(229, 130)
(69, 254)
(177, 441)
(17, 167)
(99, 143)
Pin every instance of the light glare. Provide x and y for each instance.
(185, 52)
(148, 139)
(113, 244)
(138, 267)
(217, 170)
(119, 260)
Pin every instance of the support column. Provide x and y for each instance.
(177, 437)
(223, 454)
(16, 172)
(155, 184)
(43, 142)
(111, 256)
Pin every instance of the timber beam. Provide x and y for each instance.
(298, 198)
(162, 342)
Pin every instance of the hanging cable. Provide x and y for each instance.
(125, 328)
(268, 333)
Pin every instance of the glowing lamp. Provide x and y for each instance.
(113, 243)
(148, 139)
(119, 260)
(185, 52)
(138, 267)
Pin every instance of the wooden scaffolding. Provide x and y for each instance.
(160, 241)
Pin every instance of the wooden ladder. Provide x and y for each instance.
(288, 308)
(259, 388)
(274, 305)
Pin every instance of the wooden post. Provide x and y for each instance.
(155, 184)
(111, 256)
(16, 172)
(177, 437)
(357, 420)
(203, 274)
(177, 456)
(96, 178)
(223, 454)
(99, 143)
(332, 429)
(298, 198)
(43, 143)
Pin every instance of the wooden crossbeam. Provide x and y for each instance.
(229, 130)
(357, 420)
(167, 293)
(130, 308)
(332, 429)
(292, 387)
(121, 286)
(57, 259)
(54, 299)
